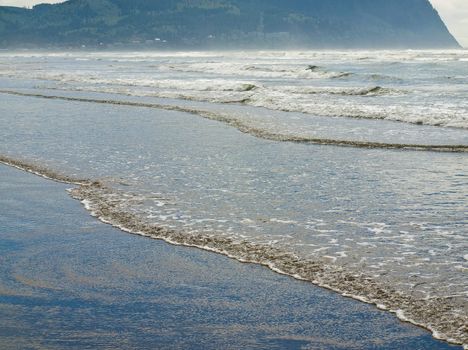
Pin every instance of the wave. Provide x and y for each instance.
(293, 98)
(382, 77)
(215, 85)
(219, 69)
(441, 116)
(245, 127)
(225, 85)
(281, 86)
(262, 71)
(367, 91)
(220, 86)
(342, 75)
(439, 315)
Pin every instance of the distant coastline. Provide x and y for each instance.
(233, 24)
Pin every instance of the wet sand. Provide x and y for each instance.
(69, 281)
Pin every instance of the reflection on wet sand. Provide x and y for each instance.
(69, 281)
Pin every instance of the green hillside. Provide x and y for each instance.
(226, 23)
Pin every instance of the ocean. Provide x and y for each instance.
(346, 169)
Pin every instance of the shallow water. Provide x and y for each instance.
(109, 290)
(386, 226)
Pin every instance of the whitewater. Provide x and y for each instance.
(346, 169)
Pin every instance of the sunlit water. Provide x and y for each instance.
(394, 221)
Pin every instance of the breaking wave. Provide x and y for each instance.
(369, 91)
(330, 101)
(254, 70)
(310, 83)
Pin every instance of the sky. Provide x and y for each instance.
(454, 13)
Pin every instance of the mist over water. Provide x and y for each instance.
(387, 226)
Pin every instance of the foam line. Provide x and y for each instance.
(438, 315)
(254, 131)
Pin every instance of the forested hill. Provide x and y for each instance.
(226, 24)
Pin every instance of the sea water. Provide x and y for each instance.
(347, 169)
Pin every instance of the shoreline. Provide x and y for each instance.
(36, 172)
(328, 174)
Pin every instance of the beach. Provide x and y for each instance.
(69, 281)
(351, 176)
